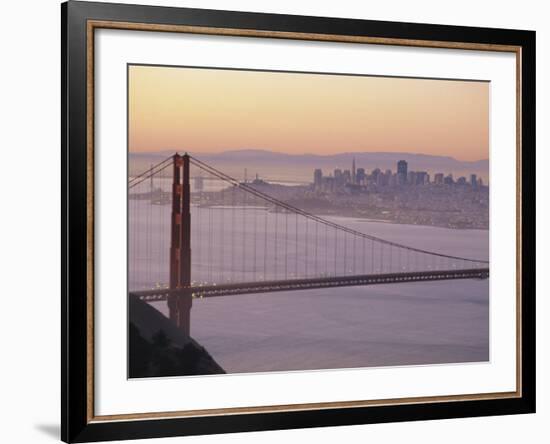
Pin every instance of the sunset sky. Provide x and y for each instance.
(210, 110)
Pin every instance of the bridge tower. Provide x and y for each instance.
(179, 304)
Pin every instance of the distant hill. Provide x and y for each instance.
(269, 162)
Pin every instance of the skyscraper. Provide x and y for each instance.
(374, 175)
(338, 177)
(402, 172)
(473, 181)
(347, 176)
(353, 173)
(318, 178)
(361, 176)
(421, 178)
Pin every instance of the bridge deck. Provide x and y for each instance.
(312, 283)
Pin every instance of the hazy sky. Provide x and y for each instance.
(209, 110)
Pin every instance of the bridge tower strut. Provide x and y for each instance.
(179, 304)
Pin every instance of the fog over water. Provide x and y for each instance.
(396, 324)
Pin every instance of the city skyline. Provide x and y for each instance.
(177, 108)
(298, 166)
(402, 176)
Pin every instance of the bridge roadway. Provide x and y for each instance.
(162, 294)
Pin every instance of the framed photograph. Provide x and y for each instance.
(275, 221)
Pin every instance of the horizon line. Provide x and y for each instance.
(211, 153)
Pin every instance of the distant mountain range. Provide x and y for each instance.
(282, 164)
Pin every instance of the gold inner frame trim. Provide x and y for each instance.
(97, 24)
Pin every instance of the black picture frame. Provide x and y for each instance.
(77, 425)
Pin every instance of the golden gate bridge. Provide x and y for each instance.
(238, 239)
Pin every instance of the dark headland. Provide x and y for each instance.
(158, 348)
